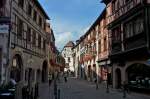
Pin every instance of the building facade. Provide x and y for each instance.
(67, 53)
(92, 51)
(24, 51)
(129, 22)
(55, 60)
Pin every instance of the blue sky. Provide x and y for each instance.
(71, 18)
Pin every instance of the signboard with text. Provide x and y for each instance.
(4, 28)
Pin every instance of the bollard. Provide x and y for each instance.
(58, 93)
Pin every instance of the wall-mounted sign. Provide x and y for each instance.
(4, 28)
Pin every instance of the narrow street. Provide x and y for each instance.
(80, 89)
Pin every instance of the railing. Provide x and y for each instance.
(135, 41)
(123, 9)
(116, 48)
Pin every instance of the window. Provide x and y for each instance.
(126, 1)
(129, 29)
(99, 46)
(133, 27)
(2, 3)
(105, 44)
(64, 55)
(44, 44)
(115, 5)
(29, 10)
(138, 26)
(21, 3)
(34, 38)
(40, 21)
(34, 15)
(44, 25)
(39, 41)
(29, 34)
(20, 27)
(116, 34)
(68, 59)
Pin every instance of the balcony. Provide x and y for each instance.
(135, 41)
(116, 47)
(124, 9)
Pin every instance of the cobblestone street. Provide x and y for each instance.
(80, 89)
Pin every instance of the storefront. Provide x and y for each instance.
(105, 70)
(139, 76)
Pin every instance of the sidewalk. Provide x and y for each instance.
(46, 92)
(80, 89)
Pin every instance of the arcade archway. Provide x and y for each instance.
(16, 70)
(138, 75)
(44, 72)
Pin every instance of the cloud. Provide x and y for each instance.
(63, 38)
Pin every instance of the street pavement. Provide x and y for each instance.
(81, 89)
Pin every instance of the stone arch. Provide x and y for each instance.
(137, 73)
(16, 69)
(45, 72)
(118, 78)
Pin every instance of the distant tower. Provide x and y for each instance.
(67, 53)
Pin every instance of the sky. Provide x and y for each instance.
(70, 19)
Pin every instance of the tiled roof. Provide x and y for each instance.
(69, 44)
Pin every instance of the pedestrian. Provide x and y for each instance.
(50, 77)
(95, 80)
(125, 89)
(36, 91)
(24, 92)
(65, 77)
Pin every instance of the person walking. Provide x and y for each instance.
(65, 77)
(50, 77)
(96, 83)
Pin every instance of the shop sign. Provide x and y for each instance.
(4, 28)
